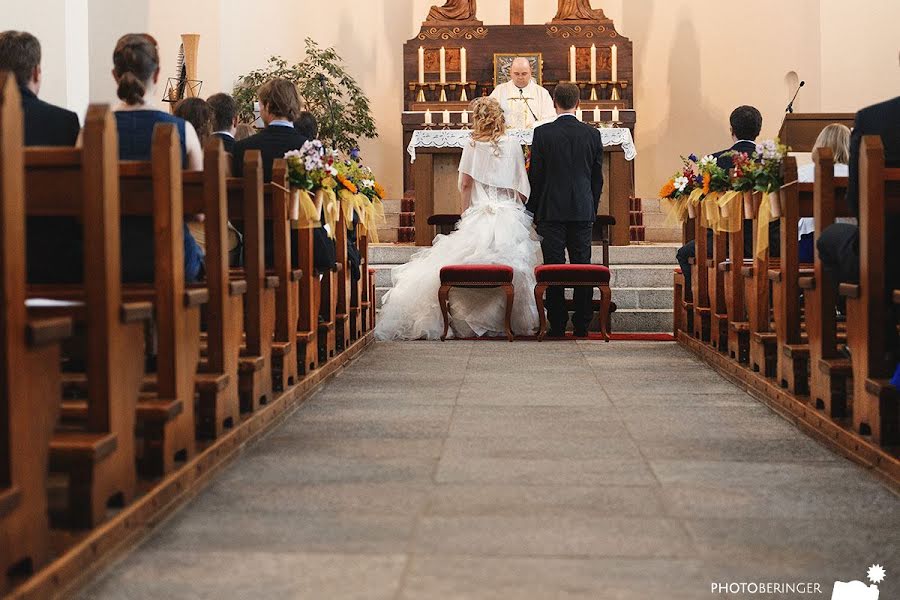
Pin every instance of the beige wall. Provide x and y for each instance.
(694, 61)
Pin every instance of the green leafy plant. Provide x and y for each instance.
(331, 94)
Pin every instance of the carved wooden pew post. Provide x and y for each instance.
(344, 280)
(29, 368)
(308, 323)
(718, 329)
(700, 280)
(285, 368)
(738, 327)
(762, 339)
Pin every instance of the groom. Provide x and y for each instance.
(566, 181)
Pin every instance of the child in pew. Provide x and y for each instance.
(136, 71)
(836, 137)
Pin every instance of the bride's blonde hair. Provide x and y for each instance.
(488, 122)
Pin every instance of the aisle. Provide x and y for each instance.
(517, 471)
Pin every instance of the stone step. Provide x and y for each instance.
(623, 276)
(392, 206)
(650, 206)
(625, 298)
(635, 254)
(646, 320)
(663, 235)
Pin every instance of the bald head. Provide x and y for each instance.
(520, 72)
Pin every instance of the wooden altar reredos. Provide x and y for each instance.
(553, 40)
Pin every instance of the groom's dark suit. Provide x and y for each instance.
(566, 181)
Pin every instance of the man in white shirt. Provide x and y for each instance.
(524, 102)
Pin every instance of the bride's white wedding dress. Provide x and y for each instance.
(494, 230)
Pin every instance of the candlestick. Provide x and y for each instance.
(615, 114)
(463, 67)
(596, 115)
(464, 117)
(443, 97)
(443, 65)
(427, 117)
(446, 117)
(593, 63)
(421, 64)
(578, 114)
(572, 70)
(615, 63)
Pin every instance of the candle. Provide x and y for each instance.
(421, 64)
(596, 115)
(572, 73)
(593, 63)
(465, 117)
(427, 117)
(443, 65)
(578, 114)
(463, 67)
(615, 63)
(446, 117)
(615, 114)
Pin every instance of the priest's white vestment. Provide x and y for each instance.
(524, 107)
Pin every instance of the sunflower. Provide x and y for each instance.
(706, 180)
(667, 190)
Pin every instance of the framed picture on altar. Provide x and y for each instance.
(503, 62)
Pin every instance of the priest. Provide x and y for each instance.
(524, 102)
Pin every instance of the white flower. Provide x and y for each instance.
(292, 154)
(709, 159)
(681, 183)
(367, 183)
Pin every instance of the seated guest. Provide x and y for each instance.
(836, 137)
(746, 123)
(136, 71)
(243, 131)
(198, 113)
(54, 244)
(224, 119)
(279, 106)
(839, 245)
(307, 125)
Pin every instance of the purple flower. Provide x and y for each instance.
(354, 154)
(693, 157)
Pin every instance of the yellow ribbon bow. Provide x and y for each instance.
(730, 208)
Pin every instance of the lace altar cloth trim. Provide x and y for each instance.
(457, 138)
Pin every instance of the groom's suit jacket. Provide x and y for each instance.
(566, 171)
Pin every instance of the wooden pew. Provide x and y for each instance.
(700, 280)
(796, 360)
(285, 361)
(357, 316)
(829, 371)
(876, 403)
(328, 301)
(366, 283)
(96, 447)
(718, 312)
(310, 296)
(344, 283)
(166, 416)
(246, 204)
(30, 379)
(684, 302)
(218, 405)
(735, 288)
(758, 301)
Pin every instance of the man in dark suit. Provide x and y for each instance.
(279, 106)
(746, 123)
(224, 119)
(54, 246)
(566, 181)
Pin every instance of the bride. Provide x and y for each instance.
(494, 229)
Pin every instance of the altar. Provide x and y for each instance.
(456, 58)
(435, 153)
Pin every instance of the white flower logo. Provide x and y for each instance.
(876, 573)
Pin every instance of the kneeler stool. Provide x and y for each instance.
(572, 276)
(476, 276)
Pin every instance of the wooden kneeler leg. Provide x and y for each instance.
(605, 300)
(510, 299)
(539, 291)
(444, 301)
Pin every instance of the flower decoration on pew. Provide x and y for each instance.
(363, 197)
(714, 182)
(677, 192)
(768, 179)
(311, 172)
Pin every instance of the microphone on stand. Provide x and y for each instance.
(790, 106)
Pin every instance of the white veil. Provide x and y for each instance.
(506, 171)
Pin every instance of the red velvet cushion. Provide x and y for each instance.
(477, 274)
(572, 273)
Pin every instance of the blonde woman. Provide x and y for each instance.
(836, 137)
(494, 229)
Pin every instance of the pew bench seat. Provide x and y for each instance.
(76, 449)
